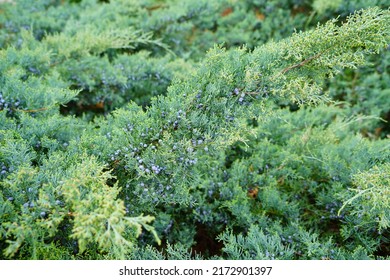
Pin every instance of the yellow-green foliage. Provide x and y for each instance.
(194, 129)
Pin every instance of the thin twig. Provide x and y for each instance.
(32, 110)
(307, 60)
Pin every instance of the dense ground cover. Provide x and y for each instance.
(194, 129)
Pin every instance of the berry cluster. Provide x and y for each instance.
(173, 124)
(168, 227)
(242, 100)
(203, 214)
(128, 128)
(4, 169)
(229, 118)
(188, 161)
(198, 100)
(148, 169)
(9, 105)
(28, 204)
(210, 214)
(151, 192)
(269, 255)
(34, 209)
(107, 81)
(289, 240)
(34, 70)
(332, 208)
(196, 142)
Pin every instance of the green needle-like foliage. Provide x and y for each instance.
(148, 130)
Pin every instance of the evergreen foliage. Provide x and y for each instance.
(194, 129)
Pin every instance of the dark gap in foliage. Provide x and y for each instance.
(77, 109)
(384, 245)
(383, 131)
(206, 243)
(235, 152)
